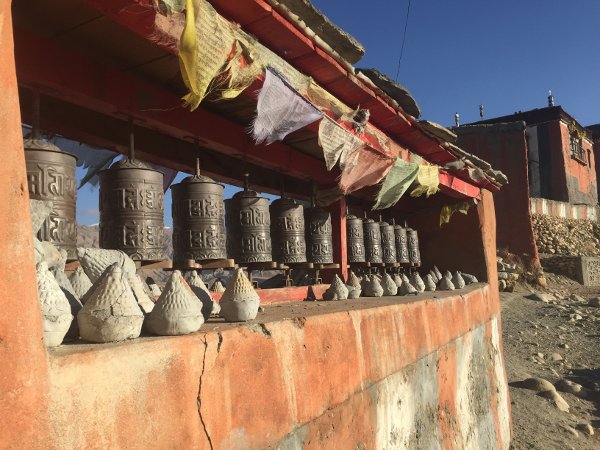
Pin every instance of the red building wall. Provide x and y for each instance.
(504, 146)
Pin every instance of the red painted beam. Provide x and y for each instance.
(76, 79)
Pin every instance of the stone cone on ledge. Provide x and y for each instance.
(217, 286)
(389, 285)
(371, 287)
(417, 282)
(429, 283)
(96, 260)
(469, 279)
(56, 310)
(67, 288)
(353, 285)
(457, 280)
(154, 289)
(407, 288)
(141, 297)
(438, 274)
(40, 210)
(177, 311)
(446, 284)
(398, 280)
(81, 282)
(209, 306)
(434, 276)
(111, 312)
(337, 290)
(240, 301)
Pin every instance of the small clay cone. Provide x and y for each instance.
(448, 274)
(434, 276)
(353, 285)
(389, 285)
(437, 272)
(209, 306)
(141, 297)
(177, 311)
(469, 279)
(372, 287)
(56, 311)
(337, 290)
(457, 280)
(406, 288)
(217, 286)
(429, 283)
(240, 301)
(96, 260)
(446, 284)
(81, 283)
(398, 280)
(111, 312)
(67, 288)
(417, 282)
(154, 289)
(46, 252)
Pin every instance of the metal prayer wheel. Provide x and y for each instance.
(413, 247)
(198, 219)
(131, 210)
(248, 224)
(319, 236)
(401, 245)
(373, 249)
(388, 243)
(51, 178)
(287, 230)
(355, 239)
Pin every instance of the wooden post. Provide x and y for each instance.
(340, 251)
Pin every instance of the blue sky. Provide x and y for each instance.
(457, 54)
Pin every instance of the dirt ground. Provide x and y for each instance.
(555, 337)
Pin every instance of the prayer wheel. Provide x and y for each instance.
(248, 225)
(131, 209)
(373, 249)
(319, 236)
(51, 178)
(198, 219)
(287, 229)
(401, 245)
(388, 243)
(355, 239)
(413, 247)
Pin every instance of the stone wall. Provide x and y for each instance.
(384, 374)
(570, 237)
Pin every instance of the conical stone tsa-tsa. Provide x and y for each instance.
(371, 287)
(417, 282)
(209, 306)
(457, 280)
(446, 284)
(240, 301)
(217, 286)
(141, 297)
(434, 276)
(407, 288)
(337, 290)
(389, 285)
(96, 260)
(353, 285)
(67, 288)
(111, 312)
(81, 282)
(437, 272)
(429, 283)
(56, 310)
(469, 279)
(154, 289)
(398, 279)
(177, 311)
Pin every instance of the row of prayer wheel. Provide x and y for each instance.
(131, 218)
(381, 242)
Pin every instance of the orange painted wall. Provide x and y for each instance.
(23, 367)
(582, 188)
